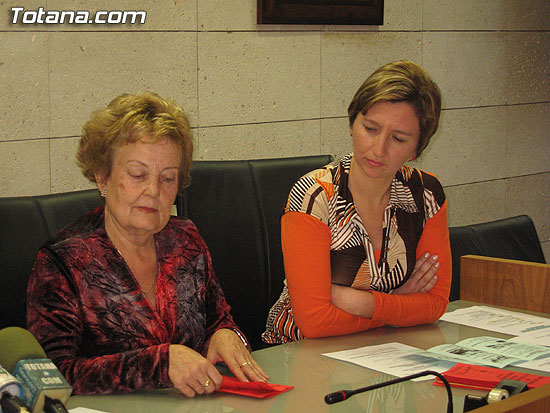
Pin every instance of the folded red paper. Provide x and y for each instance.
(252, 388)
(470, 376)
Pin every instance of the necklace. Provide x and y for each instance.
(148, 290)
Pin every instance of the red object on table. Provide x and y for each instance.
(252, 388)
(470, 376)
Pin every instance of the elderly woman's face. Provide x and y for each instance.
(143, 185)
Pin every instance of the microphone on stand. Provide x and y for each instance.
(341, 395)
(44, 387)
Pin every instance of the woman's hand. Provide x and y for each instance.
(225, 345)
(423, 278)
(190, 372)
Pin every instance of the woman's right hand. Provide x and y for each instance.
(423, 278)
(190, 372)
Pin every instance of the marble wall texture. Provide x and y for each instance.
(282, 90)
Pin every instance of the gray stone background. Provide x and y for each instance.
(274, 91)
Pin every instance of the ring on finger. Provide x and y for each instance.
(245, 363)
(207, 383)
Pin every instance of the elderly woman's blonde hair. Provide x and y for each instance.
(127, 119)
(401, 81)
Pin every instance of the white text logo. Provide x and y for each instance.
(41, 16)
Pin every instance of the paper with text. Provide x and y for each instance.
(538, 337)
(396, 359)
(502, 321)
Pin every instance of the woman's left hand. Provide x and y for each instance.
(423, 277)
(225, 345)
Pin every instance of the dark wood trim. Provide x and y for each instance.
(338, 12)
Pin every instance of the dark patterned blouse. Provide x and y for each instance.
(91, 317)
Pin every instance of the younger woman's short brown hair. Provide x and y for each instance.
(129, 118)
(401, 81)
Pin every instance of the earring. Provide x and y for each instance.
(103, 193)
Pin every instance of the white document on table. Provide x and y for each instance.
(539, 364)
(502, 321)
(509, 348)
(472, 356)
(396, 359)
(495, 352)
(402, 360)
(538, 337)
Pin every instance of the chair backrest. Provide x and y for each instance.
(25, 224)
(236, 205)
(512, 238)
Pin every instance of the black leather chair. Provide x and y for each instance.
(513, 238)
(236, 206)
(25, 223)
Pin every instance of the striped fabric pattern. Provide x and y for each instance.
(415, 197)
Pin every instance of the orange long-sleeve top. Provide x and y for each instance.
(306, 249)
(325, 242)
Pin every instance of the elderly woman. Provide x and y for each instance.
(126, 298)
(365, 239)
